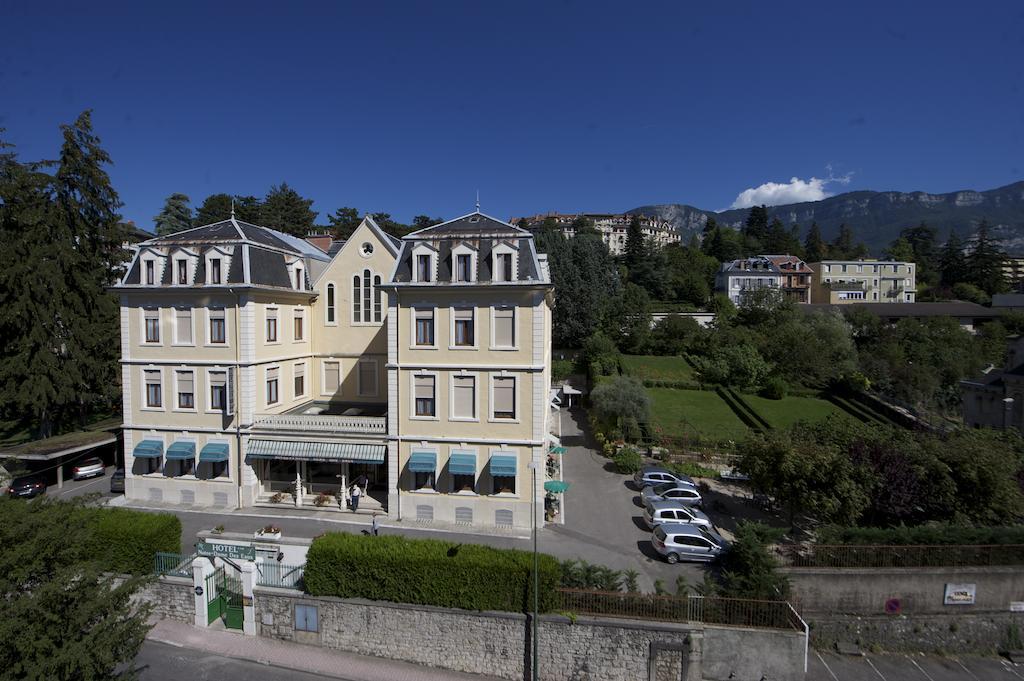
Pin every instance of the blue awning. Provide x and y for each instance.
(149, 449)
(293, 450)
(503, 465)
(423, 462)
(181, 450)
(214, 452)
(462, 464)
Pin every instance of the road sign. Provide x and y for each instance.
(230, 551)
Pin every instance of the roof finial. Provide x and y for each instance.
(477, 200)
(232, 208)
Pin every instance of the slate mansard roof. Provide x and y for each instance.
(259, 256)
(483, 234)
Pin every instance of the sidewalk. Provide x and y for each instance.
(312, 659)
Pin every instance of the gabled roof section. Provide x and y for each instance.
(236, 231)
(392, 243)
(473, 224)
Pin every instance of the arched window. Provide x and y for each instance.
(330, 303)
(357, 298)
(367, 294)
(376, 298)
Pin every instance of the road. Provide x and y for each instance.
(163, 662)
(77, 488)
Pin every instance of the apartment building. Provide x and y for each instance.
(612, 227)
(258, 369)
(863, 281)
(469, 357)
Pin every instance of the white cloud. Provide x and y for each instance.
(794, 191)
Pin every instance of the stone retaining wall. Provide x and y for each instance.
(974, 634)
(171, 598)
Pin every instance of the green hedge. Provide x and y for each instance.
(126, 541)
(428, 572)
(924, 535)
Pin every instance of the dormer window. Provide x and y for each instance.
(215, 277)
(150, 273)
(299, 281)
(181, 272)
(464, 267)
(504, 267)
(504, 259)
(423, 267)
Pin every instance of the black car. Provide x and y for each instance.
(27, 487)
(117, 481)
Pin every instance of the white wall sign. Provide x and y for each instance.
(1016, 606)
(960, 594)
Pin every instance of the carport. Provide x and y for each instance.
(43, 457)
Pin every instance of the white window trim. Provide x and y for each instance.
(277, 316)
(505, 451)
(217, 441)
(412, 397)
(159, 262)
(424, 249)
(144, 404)
(192, 321)
(227, 330)
(162, 437)
(451, 328)
(266, 380)
(490, 396)
(299, 312)
(376, 372)
(437, 457)
(515, 328)
(476, 396)
(160, 327)
(464, 249)
(327, 306)
(502, 248)
(463, 449)
(224, 255)
(294, 269)
(323, 375)
(208, 404)
(305, 380)
(373, 290)
(412, 336)
(195, 385)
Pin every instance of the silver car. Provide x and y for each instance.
(687, 542)
(679, 492)
(88, 468)
(657, 475)
(659, 512)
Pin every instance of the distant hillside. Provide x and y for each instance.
(878, 217)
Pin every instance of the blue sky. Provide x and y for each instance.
(568, 106)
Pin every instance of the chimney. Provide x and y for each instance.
(321, 240)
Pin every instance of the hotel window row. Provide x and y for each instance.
(274, 381)
(271, 326)
(183, 325)
(184, 271)
(465, 390)
(179, 458)
(461, 474)
(183, 384)
(464, 265)
(463, 332)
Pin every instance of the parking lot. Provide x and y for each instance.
(826, 666)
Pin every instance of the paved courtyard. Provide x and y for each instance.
(827, 666)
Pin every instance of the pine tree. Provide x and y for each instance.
(286, 211)
(985, 262)
(952, 262)
(175, 217)
(843, 248)
(217, 207)
(756, 226)
(815, 249)
(634, 243)
(344, 221)
(901, 250)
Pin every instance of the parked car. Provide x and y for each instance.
(672, 491)
(678, 541)
(657, 475)
(659, 512)
(117, 481)
(89, 468)
(27, 487)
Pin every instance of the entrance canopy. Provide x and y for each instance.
(294, 450)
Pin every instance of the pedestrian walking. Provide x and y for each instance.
(356, 492)
(375, 526)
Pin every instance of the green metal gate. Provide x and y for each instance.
(214, 596)
(224, 599)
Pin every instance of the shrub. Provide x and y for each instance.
(562, 369)
(428, 572)
(775, 388)
(748, 569)
(579, 574)
(620, 398)
(694, 470)
(126, 541)
(923, 535)
(627, 460)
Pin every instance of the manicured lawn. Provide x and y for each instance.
(679, 412)
(787, 411)
(658, 368)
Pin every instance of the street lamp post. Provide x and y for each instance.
(536, 579)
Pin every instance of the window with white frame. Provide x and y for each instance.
(464, 267)
(152, 325)
(463, 482)
(150, 272)
(218, 391)
(299, 379)
(330, 307)
(214, 275)
(503, 259)
(218, 324)
(186, 389)
(298, 323)
(366, 300)
(271, 324)
(463, 397)
(425, 395)
(367, 378)
(183, 326)
(424, 267)
(181, 272)
(424, 326)
(332, 377)
(154, 389)
(504, 272)
(503, 484)
(300, 280)
(464, 332)
(357, 299)
(503, 398)
(378, 311)
(504, 324)
(273, 386)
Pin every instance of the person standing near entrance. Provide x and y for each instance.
(355, 492)
(375, 525)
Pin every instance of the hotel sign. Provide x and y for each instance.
(229, 551)
(959, 594)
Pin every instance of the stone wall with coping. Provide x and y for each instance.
(171, 598)
(968, 633)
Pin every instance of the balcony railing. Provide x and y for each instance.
(321, 423)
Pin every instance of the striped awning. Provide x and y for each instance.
(462, 463)
(214, 452)
(315, 451)
(423, 462)
(181, 450)
(149, 449)
(503, 465)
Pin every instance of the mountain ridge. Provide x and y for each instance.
(877, 216)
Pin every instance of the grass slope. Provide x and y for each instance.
(658, 368)
(783, 413)
(677, 411)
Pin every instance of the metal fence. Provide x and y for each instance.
(895, 556)
(173, 564)
(726, 611)
(280, 575)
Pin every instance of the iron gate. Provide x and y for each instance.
(224, 599)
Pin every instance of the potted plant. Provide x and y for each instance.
(268, 532)
(322, 499)
(219, 529)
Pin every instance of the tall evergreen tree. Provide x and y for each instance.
(901, 250)
(815, 249)
(175, 217)
(344, 221)
(756, 226)
(424, 221)
(844, 248)
(285, 210)
(217, 207)
(635, 247)
(952, 261)
(985, 262)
